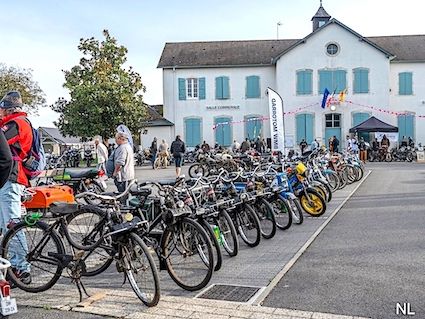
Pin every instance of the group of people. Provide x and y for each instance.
(177, 149)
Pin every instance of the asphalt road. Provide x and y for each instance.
(371, 255)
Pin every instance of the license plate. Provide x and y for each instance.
(8, 307)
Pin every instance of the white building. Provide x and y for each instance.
(207, 83)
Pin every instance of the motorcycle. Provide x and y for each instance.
(88, 157)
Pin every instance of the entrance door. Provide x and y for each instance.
(333, 127)
(223, 132)
(253, 127)
(192, 132)
(360, 118)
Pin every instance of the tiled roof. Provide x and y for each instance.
(321, 13)
(55, 134)
(405, 48)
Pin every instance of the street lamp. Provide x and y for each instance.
(277, 29)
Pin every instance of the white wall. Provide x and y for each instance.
(411, 103)
(352, 54)
(176, 111)
(160, 132)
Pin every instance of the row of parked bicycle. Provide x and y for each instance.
(183, 226)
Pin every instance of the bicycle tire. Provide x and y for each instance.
(218, 257)
(130, 270)
(59, 249)
(251, 221)
(297, 211)
(282, 211)
(228, 234)
(94, 237)
(205, 271)
(103, 260)
(266, 216)
(194, 169)
(318, 201)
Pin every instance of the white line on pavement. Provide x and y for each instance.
(260, 298)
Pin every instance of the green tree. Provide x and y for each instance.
(103, 94)
(13, 78)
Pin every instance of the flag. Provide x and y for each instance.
(276, 121)
(325, 98)
(342, 95)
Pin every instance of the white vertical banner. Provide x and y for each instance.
(276, 121)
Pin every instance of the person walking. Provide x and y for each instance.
(153, 149)
(124, 164)
(18, 133)
(163, 153)
(178, 148)
(102, 155)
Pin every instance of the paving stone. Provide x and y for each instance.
(318, 315)
(294, 313)
(261, 309)
(203, 315)
(169, 312)
(259, 315)
(142, 315)
(102, 311)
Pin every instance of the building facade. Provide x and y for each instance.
(216, 91)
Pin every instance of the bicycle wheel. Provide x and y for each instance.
(196, 169)
(140, 270)
(314, 204)
(86, 227)
(98, 260)
(333, 180)
(228, 234)
(218, 258)
(297, 211)
(282, 212)
(188, 255)
(248, 225)
(35, 246)
(266, 217)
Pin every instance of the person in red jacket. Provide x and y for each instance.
(18, 132)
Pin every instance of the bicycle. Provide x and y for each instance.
(47, 253)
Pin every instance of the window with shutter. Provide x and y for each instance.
(361, 80)
(405, 83)
(304, 82)
(222, 89)
(252, 87)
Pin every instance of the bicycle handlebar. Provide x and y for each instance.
(108, 197)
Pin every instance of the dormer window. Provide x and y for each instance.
(322, 23)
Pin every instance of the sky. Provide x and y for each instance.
(43, 35)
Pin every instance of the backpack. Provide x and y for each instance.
(35, 162)
(110, 165)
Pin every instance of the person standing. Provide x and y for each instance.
(102, 155)
(363, 151)
(330, 144)
(18, 133)
(303, 146)
(178, 148)
(335, 144)
(163, 152)
(205, 147)
(235, 146)
(245, 146)
(124, 163)
(5, 160)
(153, 149)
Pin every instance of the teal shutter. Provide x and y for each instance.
(401, 123)
(300, 125)
(253, 127)
(361, 81)
(219, 88)
(304, 82)
(193, 132)
(201, 88)
(325, 81)
(226, 87)
(223, 133)
(182, 89)
(360, 118)
(339, 81)
(252, 87)
(405, 83)
(410, 125)
(309, 127)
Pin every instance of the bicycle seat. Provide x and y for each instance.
(84, 173)
(61, 209)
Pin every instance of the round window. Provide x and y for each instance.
(332, 49)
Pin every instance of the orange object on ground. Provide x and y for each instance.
(46, 195)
